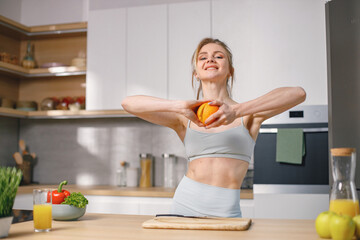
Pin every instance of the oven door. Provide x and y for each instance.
(314, 168)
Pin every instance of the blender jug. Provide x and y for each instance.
(343, 196)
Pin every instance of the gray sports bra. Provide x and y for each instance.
(232, 143)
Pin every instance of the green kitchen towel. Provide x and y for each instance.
(290, 145)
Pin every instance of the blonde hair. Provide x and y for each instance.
(194, 60)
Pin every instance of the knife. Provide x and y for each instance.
(179, 215)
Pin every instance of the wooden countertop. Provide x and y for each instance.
(112, 226)
(120, 191)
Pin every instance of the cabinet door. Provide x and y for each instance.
(147, 51)
(275, 43)
(106, 61)
(232, 23)
(189, 23)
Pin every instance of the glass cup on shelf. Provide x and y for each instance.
(343, 196)
(42, 210)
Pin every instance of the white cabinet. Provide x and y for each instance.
(275, 43)
(106, 59)
(189, 23)
(148, 49)
(111, 204)
(147, 62)
(287, 201)
(232, 23)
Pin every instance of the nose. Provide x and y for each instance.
(211, 59)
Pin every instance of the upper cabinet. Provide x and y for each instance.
(274, 43)
(189, 23)
(106, 76)
(147, 69)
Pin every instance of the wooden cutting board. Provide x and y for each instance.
(228, 224)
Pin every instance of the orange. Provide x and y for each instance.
(205, 110)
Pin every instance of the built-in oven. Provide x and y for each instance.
(293, 191)
(314, 169)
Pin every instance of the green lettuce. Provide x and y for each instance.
(76, 199)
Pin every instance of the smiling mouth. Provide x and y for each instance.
(211, 68)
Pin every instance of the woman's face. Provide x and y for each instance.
(212, 63)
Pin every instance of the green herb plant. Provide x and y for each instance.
(10, 178)
(76, 199)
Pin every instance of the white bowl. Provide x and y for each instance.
(66, 212)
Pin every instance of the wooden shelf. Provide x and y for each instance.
(22, 32)
(41, 72)
(63, 114)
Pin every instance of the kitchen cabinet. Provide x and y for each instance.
(147, 60)
(290, 201)
(52, 43)
(128, 205)
(188, 23)
(106, 76)
(274, 43)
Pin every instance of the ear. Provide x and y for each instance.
(195, 75)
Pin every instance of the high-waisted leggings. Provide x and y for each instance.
(193, 198)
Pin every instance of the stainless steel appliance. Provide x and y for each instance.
(313, 120)
(343, 49)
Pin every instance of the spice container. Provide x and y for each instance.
(343, 196)
(146, 165)
(169, 170)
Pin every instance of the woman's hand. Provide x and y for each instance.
(189, 109)
(224, 116)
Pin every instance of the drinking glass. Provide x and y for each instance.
(42, 210)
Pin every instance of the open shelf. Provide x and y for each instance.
(41, 72)
(63, 114)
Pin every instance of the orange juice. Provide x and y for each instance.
(42, 216)
(345, 207)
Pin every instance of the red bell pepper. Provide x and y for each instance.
(58, 195)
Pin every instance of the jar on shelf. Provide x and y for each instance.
(146, 165)
(121, 175)
(169, 170)
(343, 196)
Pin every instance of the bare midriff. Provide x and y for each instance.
(220, 172)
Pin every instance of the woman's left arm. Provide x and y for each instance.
(261, 108)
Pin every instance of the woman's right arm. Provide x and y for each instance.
(169, 113)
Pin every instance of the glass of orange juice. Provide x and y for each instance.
(42, 210)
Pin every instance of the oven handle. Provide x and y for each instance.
(275, 130)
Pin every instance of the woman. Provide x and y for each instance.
(219, 151)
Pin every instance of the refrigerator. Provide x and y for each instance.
(343, 54)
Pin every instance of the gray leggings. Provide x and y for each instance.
(198, 199)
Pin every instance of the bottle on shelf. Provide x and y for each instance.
(29, 61)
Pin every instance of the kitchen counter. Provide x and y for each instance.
(112, 226)
(120, 191)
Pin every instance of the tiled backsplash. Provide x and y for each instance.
(88, 151)
(8, 140)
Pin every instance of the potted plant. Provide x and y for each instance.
(10, 178)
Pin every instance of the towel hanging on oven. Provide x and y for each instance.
(290, 145)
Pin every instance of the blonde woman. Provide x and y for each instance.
(218, 151)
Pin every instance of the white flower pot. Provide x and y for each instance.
(5, 224)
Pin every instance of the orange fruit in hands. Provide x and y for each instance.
(205, 110)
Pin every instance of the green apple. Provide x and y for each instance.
(342, 227)
(322, 224)
(357, 223)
